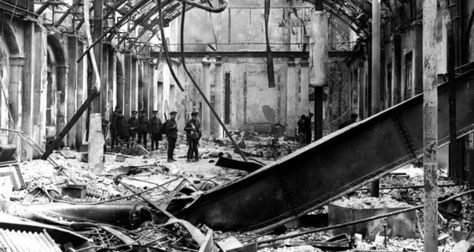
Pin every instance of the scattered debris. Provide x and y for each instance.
(129, 216)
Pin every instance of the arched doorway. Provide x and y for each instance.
(55, 88)
(10, 77)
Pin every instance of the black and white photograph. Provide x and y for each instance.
(237, 125)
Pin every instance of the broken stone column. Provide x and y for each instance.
(219, 98)
(319, 58)
(206, 89)
(291, 99)
(96, 143)
(16, 68)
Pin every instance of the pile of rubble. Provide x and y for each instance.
(135, 204)
(370, 203)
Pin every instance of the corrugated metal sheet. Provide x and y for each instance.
(17, 241)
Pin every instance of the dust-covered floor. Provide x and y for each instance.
(136, 175)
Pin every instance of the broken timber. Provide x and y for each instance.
(319, 173)
(70, 124)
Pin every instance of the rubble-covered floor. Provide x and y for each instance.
(163, 182)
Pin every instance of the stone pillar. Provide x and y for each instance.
(61, 88)
(111, 97)
(16, 78)
(319, 58)
(291, 89)
(206, 89)
(303, 106)
(418, 58)
(146, 87)
(81, 87)
(134, 85)
(127, 106)
(120, 91)
(72, 88)
(28, 86)
(104, 77)
(152, 88)
(376, 80)
(219, 98)
(40, 86)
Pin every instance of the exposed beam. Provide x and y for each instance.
(238, 54)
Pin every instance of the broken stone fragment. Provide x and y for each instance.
(462, 246)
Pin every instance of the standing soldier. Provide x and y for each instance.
(193, 134)
(171, 131)
(123, 129)
(133, 125)
(302, 130)
(142, 128)
(155, 125)
(114, 126)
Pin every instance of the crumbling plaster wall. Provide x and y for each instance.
(241, 27)
(252, 102)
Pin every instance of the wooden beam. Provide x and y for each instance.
(70, 124)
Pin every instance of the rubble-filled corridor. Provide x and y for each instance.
(236, 125)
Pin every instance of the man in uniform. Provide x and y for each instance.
(114, 126)
(142, 128)
(155, 125)
(193, 134)
(133, 125)
(302, 130)
(123, 129)
(171, 131)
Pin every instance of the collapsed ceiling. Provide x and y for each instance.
(134, 23)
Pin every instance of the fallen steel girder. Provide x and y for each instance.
(340, 162)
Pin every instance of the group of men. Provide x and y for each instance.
(137, 129)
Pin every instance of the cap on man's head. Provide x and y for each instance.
(173, 113)
(194, 113)
(155, 111)
(134, 112)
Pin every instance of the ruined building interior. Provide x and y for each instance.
(236, 125)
